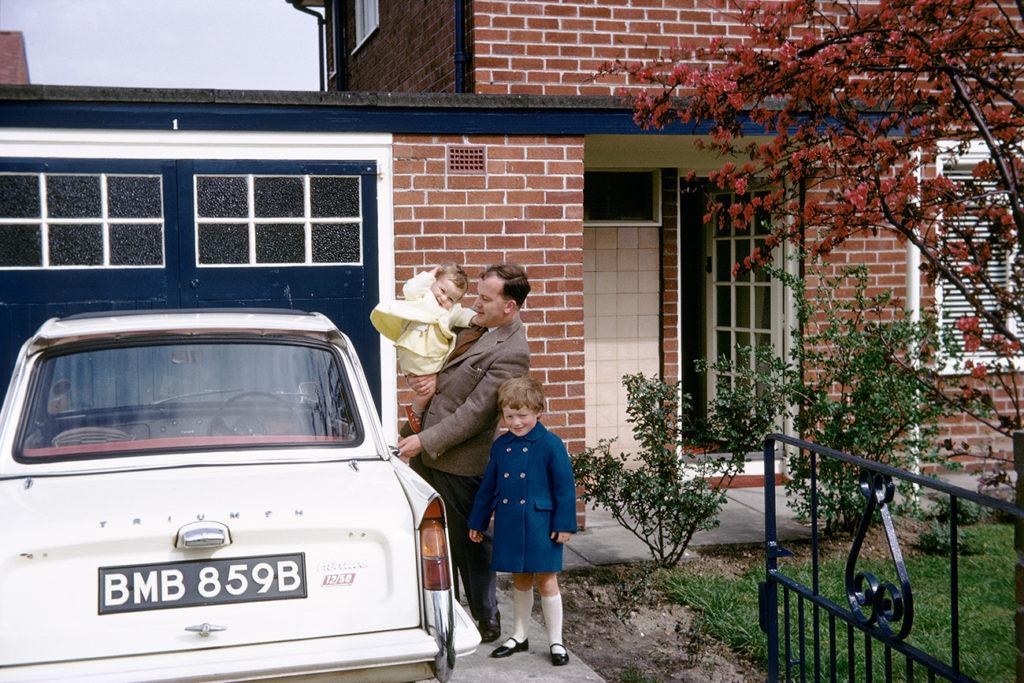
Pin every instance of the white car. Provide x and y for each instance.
(209, 495)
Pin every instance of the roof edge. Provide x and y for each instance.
(73, 93)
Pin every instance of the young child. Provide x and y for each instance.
(529, 487)
(421, 325)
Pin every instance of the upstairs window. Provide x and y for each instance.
(366, 20)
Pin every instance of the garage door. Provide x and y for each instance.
(87, 235)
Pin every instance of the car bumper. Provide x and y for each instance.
(408, 654)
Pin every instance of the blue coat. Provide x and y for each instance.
(529, 487)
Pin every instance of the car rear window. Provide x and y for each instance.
(154, 397)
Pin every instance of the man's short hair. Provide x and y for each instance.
(521, 392)
(517, 285)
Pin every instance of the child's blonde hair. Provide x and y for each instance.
(456, 275)
(521, 392)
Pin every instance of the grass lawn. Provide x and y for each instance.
(987, 606)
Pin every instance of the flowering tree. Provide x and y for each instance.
(838, 113)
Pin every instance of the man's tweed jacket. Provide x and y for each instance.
(461, 421)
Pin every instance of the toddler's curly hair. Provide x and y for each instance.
(456, 275)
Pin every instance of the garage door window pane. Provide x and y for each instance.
(19, 195)
(334, 197)
(136, 245)
(222, 196)
(280, 244)
(76, 245)
(219, 243)
(134, 197)
(336, 243)
(21, 245)
(73, 196)
(279, 197)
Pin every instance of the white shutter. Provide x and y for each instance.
(953, 304)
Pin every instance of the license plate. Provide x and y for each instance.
(134, 588)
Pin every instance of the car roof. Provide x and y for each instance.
(98, 324)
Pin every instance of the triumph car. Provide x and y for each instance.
(209, 495)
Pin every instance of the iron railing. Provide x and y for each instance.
(879, 613)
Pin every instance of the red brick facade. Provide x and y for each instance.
(555, 48)
(411, 50)
(527, 208)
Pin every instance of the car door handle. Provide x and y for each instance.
(203, 535)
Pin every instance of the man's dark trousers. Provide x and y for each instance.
(471, 560)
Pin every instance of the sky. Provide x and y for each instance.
(232, 44)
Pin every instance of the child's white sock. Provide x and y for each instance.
(522, 605)
(551, 605)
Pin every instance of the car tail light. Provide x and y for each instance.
(434, 548)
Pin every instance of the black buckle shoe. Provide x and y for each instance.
(507, 650)
(490, 629)
(558, 658)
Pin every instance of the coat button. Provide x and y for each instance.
(506, 475)
(504, 501)
(522, 475)
(508, 450)
(525, 449)
(522, 502)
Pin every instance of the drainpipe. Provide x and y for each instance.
(460, 48)
(338, 39)
(320, 38)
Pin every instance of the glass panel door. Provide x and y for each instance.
(746, 310)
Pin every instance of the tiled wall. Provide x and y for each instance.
(622, 329)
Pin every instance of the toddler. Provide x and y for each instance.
(529, 487)
(421, 325)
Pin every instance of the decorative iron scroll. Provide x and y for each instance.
(889, 607)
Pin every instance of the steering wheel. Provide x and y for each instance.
(247, 423)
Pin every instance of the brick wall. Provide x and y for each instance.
(413, 49)
(526, 208)
(555, 48)
(885, 256)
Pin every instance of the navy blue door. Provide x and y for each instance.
(86, 235)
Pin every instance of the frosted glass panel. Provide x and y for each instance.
(134, 197)
(279, 197)
(222, 196)
(280, 244)
(76, 245)
(221, 243)
(333, 243)
(73, 196)
(334, 197)
(21, 245)
(136, 245)
(19, 196)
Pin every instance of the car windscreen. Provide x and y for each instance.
(154, 397)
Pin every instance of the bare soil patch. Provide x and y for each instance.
(620, 623)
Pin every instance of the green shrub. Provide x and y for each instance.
(935, 540)
(860, 392)
(967, 512)
(674, 485)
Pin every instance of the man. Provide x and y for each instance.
(459, 425)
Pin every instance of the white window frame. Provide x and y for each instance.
(44, 221)
(655, 200)
(306, 220)
(976, 153)
(367, 21)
